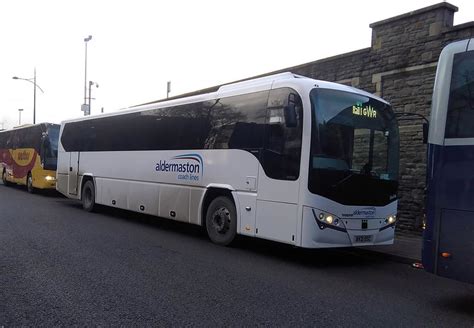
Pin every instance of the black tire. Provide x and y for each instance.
(88, 196)
(4, 178)
(221, 221)
(29, 183)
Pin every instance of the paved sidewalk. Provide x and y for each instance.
(406, 248)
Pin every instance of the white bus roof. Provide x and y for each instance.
(237, 88)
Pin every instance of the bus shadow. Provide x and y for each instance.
(463, 305)
(136, 218)
(51, 193)
(313, 258)
(317, 258)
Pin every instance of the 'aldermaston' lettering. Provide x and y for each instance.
(187, 167)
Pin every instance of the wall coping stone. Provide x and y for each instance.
(415, 12)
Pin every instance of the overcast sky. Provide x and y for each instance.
(137, 46)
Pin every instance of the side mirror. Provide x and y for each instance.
(425, 133)
(289, 112)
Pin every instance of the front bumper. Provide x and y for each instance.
(354, 232)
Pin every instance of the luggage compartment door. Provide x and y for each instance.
(456, 241)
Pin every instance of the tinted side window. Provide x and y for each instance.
(282, 153)
(180, 127)
(460, 118)
(238, 122)
(30, 137)
(4, 138)
(9, 140)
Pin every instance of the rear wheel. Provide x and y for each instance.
(88, 196)
(29, 183)
(221, 221)
(4, 178)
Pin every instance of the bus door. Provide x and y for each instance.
(277, 199)
(73, 172)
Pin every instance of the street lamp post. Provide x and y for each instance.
(84, 107)
(19, 115)
(90, 94)
(168, 89)
(32, 80)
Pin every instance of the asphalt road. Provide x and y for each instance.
(61, 266)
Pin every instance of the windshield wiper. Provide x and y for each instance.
(337, 184)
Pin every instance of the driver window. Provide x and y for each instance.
(282, 149)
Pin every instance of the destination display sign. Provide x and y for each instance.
(366, 111)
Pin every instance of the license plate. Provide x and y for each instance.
(363, 239)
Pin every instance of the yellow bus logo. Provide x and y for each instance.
(24, 156)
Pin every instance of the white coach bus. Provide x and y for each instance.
(283, 157)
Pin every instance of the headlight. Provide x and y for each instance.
(329, 219)
(391, 219)
(326, 220)
(50, 178)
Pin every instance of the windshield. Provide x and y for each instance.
(354, 148)
(49, 148)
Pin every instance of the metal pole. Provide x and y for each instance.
(34, 98)
(85, 75)
(19, 115)
(90, 85)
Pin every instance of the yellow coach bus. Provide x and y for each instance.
(28, 156)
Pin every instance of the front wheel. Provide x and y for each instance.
(88, 196)
(221, 221)
(29, 183)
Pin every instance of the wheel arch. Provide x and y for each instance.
(213, 192)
